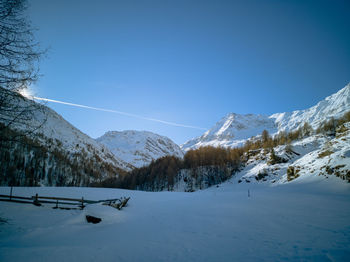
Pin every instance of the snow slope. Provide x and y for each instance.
(312, 157)
(234, 129)
(61, 133)
(139, 148)
(72, 139)
(55, 133)
(333, 106)
(292, 222)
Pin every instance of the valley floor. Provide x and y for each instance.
(305, 221)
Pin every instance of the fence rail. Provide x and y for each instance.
(79, 202)
(19, 197)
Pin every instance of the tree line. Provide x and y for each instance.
(163, 173)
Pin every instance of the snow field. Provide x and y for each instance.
(306, 221)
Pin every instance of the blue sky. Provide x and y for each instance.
(188, 62)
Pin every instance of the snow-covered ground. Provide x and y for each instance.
(305, 220)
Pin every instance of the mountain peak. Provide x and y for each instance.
(234, 129)
(139, 148)
(342, 94)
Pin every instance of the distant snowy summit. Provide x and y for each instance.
(234, 129)
(139, 148)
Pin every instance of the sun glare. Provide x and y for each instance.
(27, 93)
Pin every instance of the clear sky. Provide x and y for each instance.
(189, 62)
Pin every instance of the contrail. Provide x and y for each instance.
(118, 112)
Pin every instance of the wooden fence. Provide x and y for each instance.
(62, 202)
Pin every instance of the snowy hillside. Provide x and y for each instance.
(139, 148)
(56, 131)
(234, 129)
(317, 156)
(56, 151)
(333, 106)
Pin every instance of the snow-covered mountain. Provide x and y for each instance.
(139, 148)
(69, 138)
(59, 153)
(234, 129)
(332, 106)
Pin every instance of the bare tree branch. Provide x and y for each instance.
(19, 68)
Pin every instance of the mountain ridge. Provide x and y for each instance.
(234, 129)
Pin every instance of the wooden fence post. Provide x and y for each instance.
(82, 203)
(36, 201)
(11, 193)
